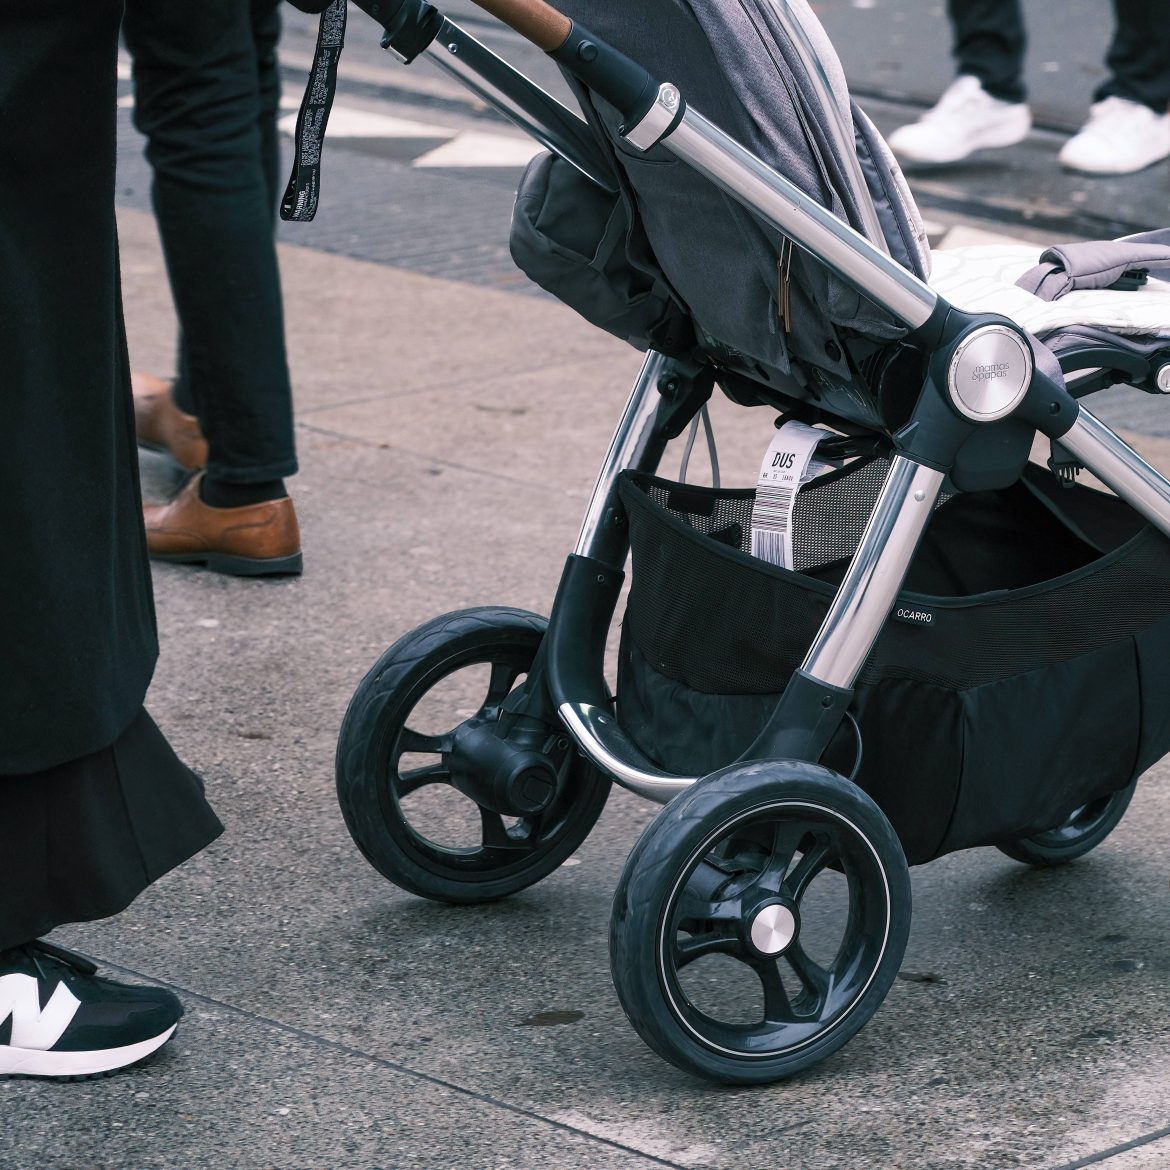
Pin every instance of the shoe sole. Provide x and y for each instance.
(988, 141)
(1104, 172)
(290, 566)
(29, 1062)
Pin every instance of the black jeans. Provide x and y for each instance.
(207, 96)
(990, 41)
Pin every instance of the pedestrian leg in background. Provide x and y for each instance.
(1129, 126)
(206, 97)
(985, 106)
(94, 804)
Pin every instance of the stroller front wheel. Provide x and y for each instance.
(760, 921)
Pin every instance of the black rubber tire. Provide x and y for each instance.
(1084, 830)
(672, 863)
(372, 740)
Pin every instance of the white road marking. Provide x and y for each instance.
(474, 148)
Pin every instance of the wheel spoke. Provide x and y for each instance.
(813, 860)
(786, 838)
(414, 741)
(777, 1006)
(415, 778)
(495, 835)
(504, 676)
(687, 950)
(816, 981)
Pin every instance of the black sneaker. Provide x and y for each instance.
(58, 1019)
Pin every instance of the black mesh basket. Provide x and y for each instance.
(1025, 670)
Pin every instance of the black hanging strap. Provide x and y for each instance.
(304, 185)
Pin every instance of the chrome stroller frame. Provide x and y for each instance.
(982, 369)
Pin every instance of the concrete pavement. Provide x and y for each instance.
(449, 436)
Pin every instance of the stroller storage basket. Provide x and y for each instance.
(1023, 673)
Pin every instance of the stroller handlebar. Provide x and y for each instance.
(535, 20)
(621, 82)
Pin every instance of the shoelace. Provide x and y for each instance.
(38, 949)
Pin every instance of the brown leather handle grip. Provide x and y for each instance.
(535, 20)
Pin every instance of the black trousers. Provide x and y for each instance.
(94, 804)
(990, 40)
(207, 93)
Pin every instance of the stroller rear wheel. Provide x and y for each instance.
(401, 775)
(1084, 829)
(760, 921)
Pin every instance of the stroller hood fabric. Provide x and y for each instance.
(737, 65)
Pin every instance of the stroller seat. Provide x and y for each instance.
(982, 278)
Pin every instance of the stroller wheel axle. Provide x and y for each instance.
(773, 929)
(499, 775)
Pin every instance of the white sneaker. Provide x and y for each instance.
(966, 118)
(1119, 138)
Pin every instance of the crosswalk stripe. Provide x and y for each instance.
(433, 146)
(473, 148)
(963, 236)
(349, 122)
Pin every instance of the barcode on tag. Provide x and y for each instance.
(787, 464)
(770, 522)
(772, 507)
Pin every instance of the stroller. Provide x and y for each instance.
(903, 579)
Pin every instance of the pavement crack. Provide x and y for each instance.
(1113, 1151)
(402, 1069)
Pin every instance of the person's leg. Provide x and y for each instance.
(205, 101)
(984, 106)
(94, 805)
(74, 669)
(1129, 126)
(265, 36)
(989, 43)
(1139, 55)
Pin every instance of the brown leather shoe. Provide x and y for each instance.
(162, 426)
(254, 541)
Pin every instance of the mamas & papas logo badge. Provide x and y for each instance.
(990, 372)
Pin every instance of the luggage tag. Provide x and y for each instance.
(789, 462)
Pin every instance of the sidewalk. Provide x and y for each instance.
(449, 436)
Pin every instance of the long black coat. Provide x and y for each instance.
(77, 631)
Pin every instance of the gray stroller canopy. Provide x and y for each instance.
(765, 72)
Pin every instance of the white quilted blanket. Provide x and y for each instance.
(983, 278)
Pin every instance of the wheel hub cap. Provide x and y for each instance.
(773, 929)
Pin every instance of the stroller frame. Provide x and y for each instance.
(982, 368)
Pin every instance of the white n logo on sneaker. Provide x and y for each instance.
(33, 1027)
